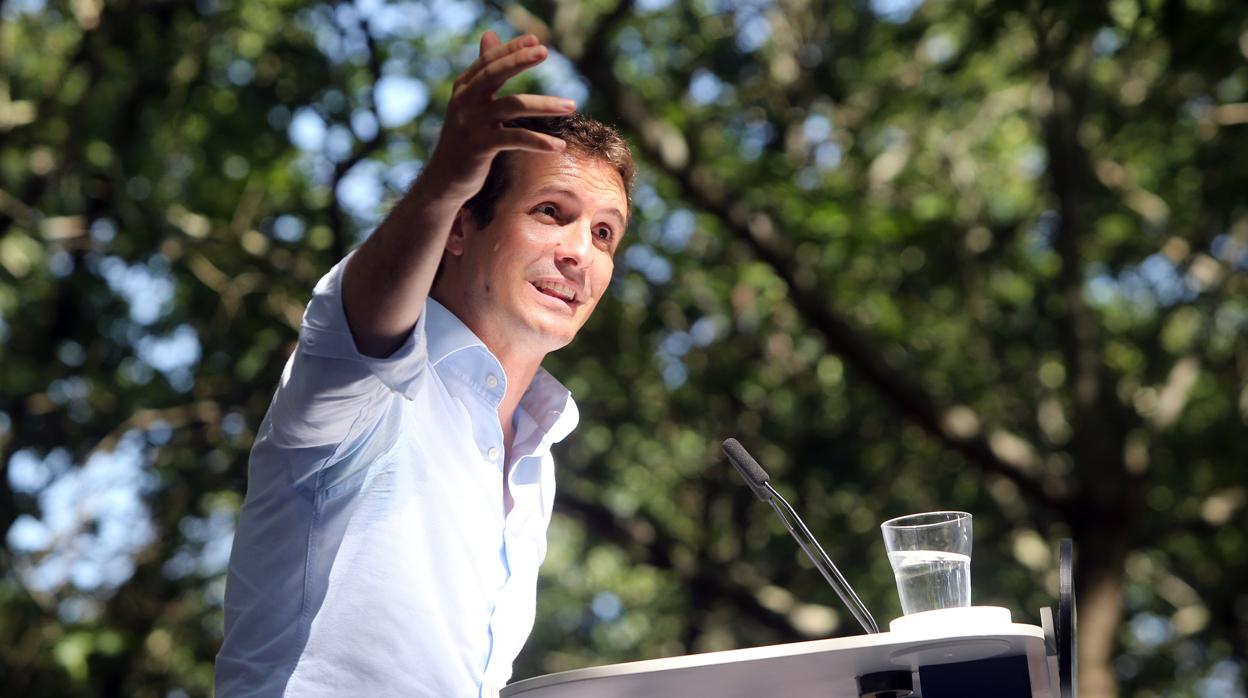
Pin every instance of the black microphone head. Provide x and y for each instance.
(749, 468)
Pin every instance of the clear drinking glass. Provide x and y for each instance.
(931, 558)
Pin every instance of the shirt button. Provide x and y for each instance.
(491, 381)
(492, 454)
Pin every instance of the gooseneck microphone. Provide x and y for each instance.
(757, 479)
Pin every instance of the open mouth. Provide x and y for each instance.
(556, 290)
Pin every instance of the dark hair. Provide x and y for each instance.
(584, 136)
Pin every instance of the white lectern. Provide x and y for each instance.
(1010, 661)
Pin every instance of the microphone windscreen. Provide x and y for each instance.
(749, 468)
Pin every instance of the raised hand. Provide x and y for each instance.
(386, 284)
(473, 132)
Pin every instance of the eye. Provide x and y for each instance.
(604, 233)
(547, 210)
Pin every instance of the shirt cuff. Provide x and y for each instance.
(325, 333)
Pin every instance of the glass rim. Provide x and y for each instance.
(949, 517)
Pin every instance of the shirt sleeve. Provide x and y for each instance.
(331, 396)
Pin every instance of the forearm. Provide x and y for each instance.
(389, 277)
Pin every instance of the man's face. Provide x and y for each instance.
(529, 279)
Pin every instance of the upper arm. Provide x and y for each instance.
(330, 393)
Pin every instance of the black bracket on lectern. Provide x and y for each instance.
(886, 684)
(1060, 634)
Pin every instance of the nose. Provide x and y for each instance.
(574, 244)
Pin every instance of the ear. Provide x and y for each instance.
(463, 226)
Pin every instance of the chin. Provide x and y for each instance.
(558, 335)
(547, 333)
(552, 330)
(557, 338)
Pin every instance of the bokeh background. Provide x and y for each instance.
(973, 254)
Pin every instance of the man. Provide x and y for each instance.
(401, 484)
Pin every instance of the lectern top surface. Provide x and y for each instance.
(826, 668)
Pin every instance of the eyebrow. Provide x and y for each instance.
(554, 189)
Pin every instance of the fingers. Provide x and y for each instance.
(524, 139)
(516, 106)
(493, 52)
(488, 41)
(491, 77)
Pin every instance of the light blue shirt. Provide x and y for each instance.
(374, 556)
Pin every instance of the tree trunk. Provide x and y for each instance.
(1102, 546)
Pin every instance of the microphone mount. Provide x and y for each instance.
(760, 485)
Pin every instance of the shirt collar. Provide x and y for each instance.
(547, 401)
(446, 333)
(550, 404)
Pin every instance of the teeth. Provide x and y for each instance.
(565, 292)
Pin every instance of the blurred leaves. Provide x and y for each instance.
(986, 255)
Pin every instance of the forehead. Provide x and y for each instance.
(592, 180)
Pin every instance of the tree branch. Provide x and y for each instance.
(362, 149)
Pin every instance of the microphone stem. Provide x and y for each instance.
(822, 562)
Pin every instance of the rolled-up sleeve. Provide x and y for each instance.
(326, 334)
(331, 394)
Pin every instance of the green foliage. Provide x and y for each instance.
(984, 255)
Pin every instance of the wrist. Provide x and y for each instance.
(436, 193)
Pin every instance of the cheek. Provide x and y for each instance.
(602, 277)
